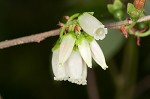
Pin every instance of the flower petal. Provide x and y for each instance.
(66, 48)
(59, 71)
(83, 80)
(74, 66)
(85, 52)
(98, 55)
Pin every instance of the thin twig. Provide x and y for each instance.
(41, 36)
(117, 25)
(29, 39)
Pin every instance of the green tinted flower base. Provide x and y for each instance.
(70, 19)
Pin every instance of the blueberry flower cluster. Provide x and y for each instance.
(76, 47)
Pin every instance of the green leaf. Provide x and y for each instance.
(130, 8)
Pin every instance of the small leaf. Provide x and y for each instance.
(117, 5)
(133, 12)
(110, 8)
(130, 8)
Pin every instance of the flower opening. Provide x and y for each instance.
(92, 26)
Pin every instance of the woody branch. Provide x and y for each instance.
(41, 36)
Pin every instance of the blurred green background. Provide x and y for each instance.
(25, 70)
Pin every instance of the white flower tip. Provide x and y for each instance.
(105, 30)
(61, 78)
(100, 33)
(84, 82)
(89, 65)
(105, 67)
(78, 81)
(99, 38)
(58, 79)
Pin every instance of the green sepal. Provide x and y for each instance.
(57, 45)
(75, 48)
(70, 34)
(134, 13)
(71, 19)
(88, 37)
(62, 31)
(79, 39)
(91, 13)
(72, 22)
(84, 36)
(78, 33)
(60, 39)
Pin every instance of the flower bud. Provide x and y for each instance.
(66, 47)
(97, 54)
(92, 26)
(85, 51)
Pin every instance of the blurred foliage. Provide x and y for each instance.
(116, 9)
(25, 70)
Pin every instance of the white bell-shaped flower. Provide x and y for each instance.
(66, 47)
(83, 80)
(74, 67)
(97, 54)
(92, 26)
(85, 52)
(59, 71)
